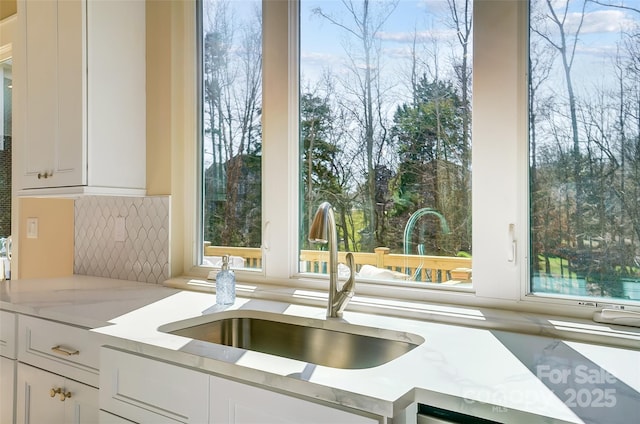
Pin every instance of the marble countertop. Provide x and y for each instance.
(496, 374)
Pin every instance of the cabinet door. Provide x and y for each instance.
(7, 389)
(237, 403)
(8, 334)
(83, 405)
(40, 92)
(147, 391)
(51, 84)
(72, 99)
(71, 403)
(34, 402)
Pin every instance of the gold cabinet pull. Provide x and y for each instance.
(63, 395)
(64, 351)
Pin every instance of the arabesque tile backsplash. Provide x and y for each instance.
(144, 253)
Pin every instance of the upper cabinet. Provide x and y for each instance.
(79, 97)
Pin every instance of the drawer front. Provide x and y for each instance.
(8, 334)
(60, 348)
(149, 391)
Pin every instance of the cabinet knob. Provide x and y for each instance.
(63, 395)
(46, 174)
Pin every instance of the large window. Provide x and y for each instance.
(384, 134)
(368, 105)
(584, 148)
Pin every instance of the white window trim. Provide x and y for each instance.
(500, 169)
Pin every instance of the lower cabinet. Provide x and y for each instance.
(7, 367)
(44, 397)
(7, 389)
(237, 403)
(146, 390)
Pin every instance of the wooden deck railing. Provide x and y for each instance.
(426, 268)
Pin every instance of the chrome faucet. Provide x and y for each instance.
(323, 231)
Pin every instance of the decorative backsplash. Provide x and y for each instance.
(139, 251)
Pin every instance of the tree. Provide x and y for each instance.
(553, 28)
(364, 24)
(232, 97)
(429, 138)
(319, 156)
(585, 172)
(541, 60)
(461, 12)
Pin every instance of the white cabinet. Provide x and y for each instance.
(79, 97)
(7, 389)
(233, 402)
(145, 390)
(60, 360)
(60, 348)
(7, 366)
(149, 391)
(7, 334)
(44, 397)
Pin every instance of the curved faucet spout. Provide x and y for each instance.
(323, 231)
(408, 230)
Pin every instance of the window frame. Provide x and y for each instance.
(499, 197)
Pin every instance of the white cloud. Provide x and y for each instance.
(600, 21)
(419, 36)
(315, 58)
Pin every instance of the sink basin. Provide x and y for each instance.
(346, 346)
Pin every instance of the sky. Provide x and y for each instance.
(322, 43)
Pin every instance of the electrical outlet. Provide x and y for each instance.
(120, 229)
(32, 228)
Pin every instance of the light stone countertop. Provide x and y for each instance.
(496, 374)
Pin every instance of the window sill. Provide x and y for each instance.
(534, 323)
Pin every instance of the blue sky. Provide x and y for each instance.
(322, 42)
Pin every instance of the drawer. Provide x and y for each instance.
(8, 334)
(60, 348)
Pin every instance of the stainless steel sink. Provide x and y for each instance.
(347, 347)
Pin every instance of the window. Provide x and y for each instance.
(392, 156)
(5, 151)
(584, 145)
(378, 122)
(385, 134)
(232, 140)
